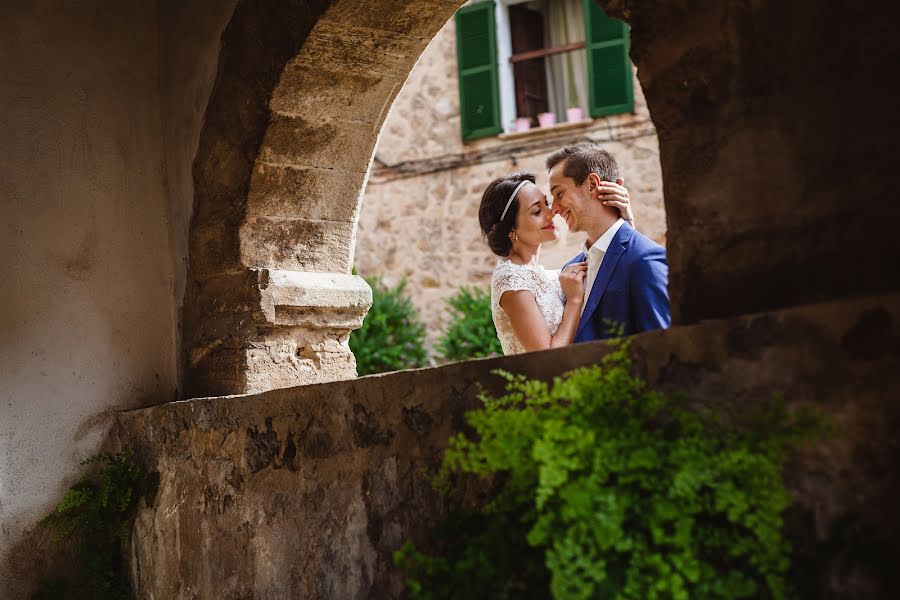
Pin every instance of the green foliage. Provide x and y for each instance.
(483, 554)
(392, 337)
(95, 515)
(608, 490)
(471, 333)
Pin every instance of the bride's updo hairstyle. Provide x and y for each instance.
(493, 201)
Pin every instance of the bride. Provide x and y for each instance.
(533, 309)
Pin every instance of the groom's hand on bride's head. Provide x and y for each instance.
(616, 195)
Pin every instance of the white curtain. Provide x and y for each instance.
(566, 73)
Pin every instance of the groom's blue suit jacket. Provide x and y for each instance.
(630, 293)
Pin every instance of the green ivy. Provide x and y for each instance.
(95, 515)
(471, 333)
(391, 337)
(603, 488)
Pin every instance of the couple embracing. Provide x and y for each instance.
(617, 286)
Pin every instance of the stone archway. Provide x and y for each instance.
(745, 99)
(302, 92)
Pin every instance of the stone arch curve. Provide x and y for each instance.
(768, 203)
(302, 91)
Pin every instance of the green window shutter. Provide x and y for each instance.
(609, 67)
(476, 53)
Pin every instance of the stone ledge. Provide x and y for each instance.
(317, 300)
(306, 491)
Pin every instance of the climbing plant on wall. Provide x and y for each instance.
(606, 489)
(95, 516)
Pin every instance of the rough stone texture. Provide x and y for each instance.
(304, 492)
(297, 244)
(773, 197)
(221, 294)
(313, 315)
(282, 163)
(275, 329)
(426, 184)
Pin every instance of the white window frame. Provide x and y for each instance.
(506, 80)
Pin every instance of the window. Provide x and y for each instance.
(547, 57)
(522, 58)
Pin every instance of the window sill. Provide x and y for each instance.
(536, 131)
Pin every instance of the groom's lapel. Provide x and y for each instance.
(604, 275)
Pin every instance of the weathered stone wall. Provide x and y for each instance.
(305, 492)
(419, 215)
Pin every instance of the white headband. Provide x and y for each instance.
(511, 196)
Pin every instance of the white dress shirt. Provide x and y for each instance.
(595, 256)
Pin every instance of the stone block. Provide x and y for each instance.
(324, 143)
(332, 301)
(293, 356)
(298, 244)
(304, 193)
(216, 369)
(364, 97)
(348, 47)
(414, 18)
(214, 249)
(258, 329)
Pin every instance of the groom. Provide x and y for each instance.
(627, 275)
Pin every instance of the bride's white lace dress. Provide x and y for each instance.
(544, 284)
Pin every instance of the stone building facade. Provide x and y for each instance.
(419, 215)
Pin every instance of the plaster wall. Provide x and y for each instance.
(419, 215)
(102, 104)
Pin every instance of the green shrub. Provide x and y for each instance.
(392, 337)
(604, 489)
(95, 515)
(471, 333)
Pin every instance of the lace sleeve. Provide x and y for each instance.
(508, 278)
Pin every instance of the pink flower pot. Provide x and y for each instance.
(523, 123)
(547, 119)
(575, 113)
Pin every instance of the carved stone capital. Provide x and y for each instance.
(267, 329)
(314, 300)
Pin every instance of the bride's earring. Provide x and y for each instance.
(515, 236)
